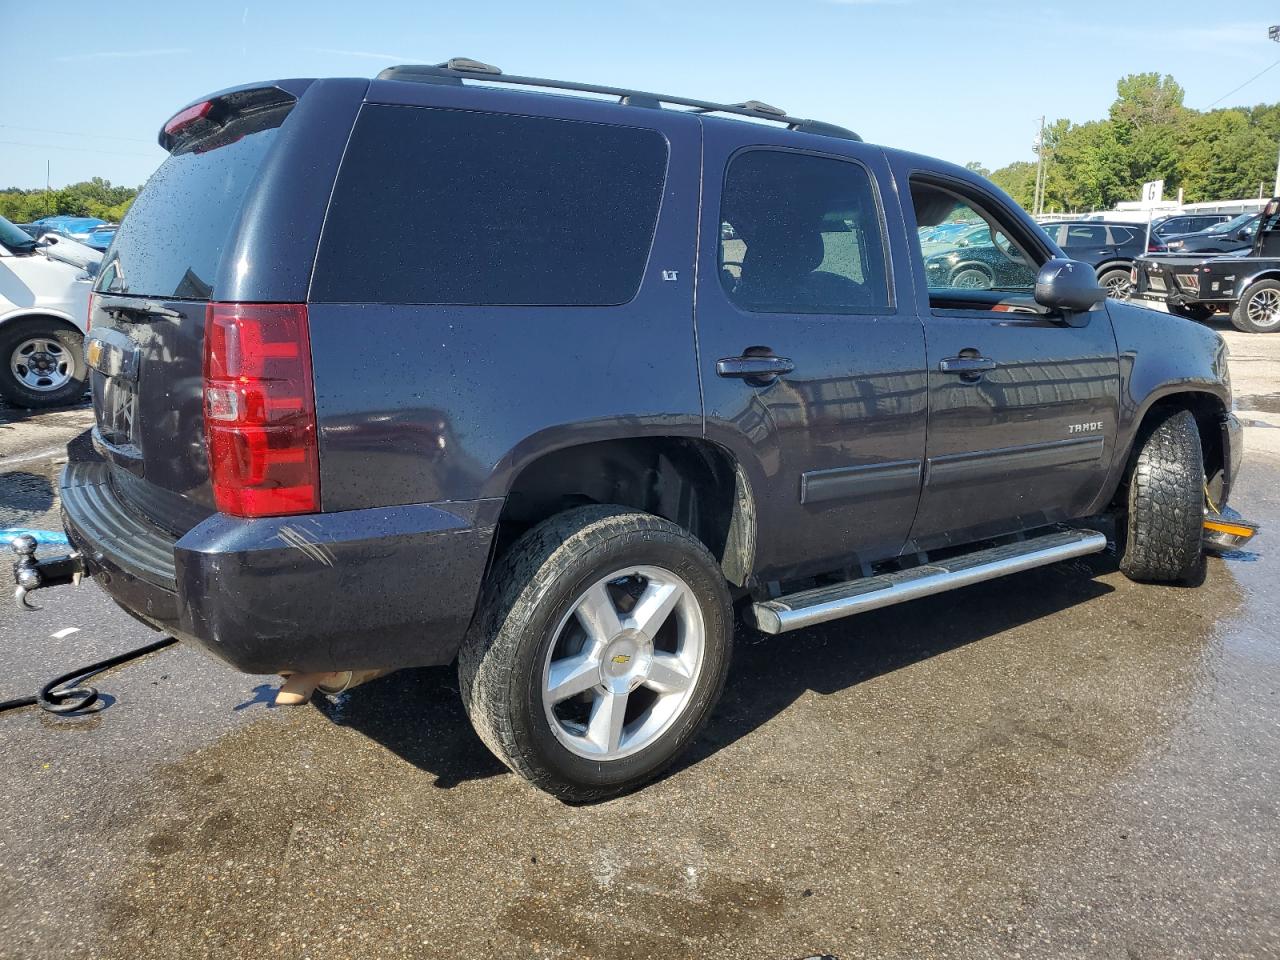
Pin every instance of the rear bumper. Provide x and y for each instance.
(361, 589)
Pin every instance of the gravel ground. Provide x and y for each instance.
(1060, 764)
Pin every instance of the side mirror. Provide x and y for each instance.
(1069, 286)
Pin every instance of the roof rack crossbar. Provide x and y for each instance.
(458, 69)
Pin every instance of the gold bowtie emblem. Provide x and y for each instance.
(621, 658)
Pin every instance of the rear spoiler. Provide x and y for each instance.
(205, 116)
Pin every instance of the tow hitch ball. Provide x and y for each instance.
(32, 574)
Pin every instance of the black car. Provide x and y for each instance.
(1183, 223)
(1110, 248)
(575, 418)
(1230, 236)
(1245, 285)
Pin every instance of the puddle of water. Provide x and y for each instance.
(1262, 403)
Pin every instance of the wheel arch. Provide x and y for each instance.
(1209, 410)
(1110, 265)
(1244, 283)
(688, 480)
(37, 313)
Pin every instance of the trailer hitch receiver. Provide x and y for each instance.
(31, 574)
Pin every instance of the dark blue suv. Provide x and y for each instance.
(627, 360)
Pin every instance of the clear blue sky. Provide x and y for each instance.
(87, 84)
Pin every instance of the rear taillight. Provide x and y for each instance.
(259, 409)
(183, 119)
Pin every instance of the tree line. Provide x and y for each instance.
(91, 198)
(1149, 134)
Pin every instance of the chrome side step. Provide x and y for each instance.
(838, 600)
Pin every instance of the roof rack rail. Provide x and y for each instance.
(461, 68)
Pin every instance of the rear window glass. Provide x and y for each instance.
(458, 207)
(171, 241)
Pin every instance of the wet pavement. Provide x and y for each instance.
(1059, 764)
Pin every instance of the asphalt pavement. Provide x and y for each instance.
(1059, 764)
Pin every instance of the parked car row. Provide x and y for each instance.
(969, 258)
(1242, 282)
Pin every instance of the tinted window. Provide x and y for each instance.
(1120, 235)
(1054, 230)
(1078, 236)
(171, 240)
(450, 206)
(806, 236)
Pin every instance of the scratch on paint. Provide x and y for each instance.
(298, 539)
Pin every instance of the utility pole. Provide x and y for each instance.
(48, 166)
(1037, 204)
(1273, 34)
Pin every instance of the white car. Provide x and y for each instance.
(44, 305)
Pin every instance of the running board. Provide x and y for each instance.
(838, 600)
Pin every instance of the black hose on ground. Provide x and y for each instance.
(59, 696)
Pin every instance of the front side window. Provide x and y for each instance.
(801, 234)
(980, 256)
(438, 206)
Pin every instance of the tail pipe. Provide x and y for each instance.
(31, 574)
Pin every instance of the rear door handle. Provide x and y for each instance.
(754, 368)
(967, 367)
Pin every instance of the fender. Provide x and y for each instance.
(1255, 273)
(41, 312)
(1161, 356)
(1102, 268)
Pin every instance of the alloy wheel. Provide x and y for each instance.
(1264, 308)
(624, 662)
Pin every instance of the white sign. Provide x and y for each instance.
(1152, 193)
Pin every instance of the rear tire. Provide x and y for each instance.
(1191, 311)
(537, 631)
(41, 364)
(1259, 308)
(1166, 505)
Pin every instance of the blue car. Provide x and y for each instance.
(100, 238)
(77, 228)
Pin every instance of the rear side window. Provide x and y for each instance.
(1077, 236)
(459, 207)
(801, 234)
(171, 241)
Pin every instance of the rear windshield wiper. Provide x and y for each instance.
(142, 311)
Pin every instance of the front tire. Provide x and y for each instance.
(972, 278)
(1259, 308)
(41, 364)
(1166, 505)
(1116, 283)
(600, 648)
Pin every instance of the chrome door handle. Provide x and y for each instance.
(754, 368)
(967, 366)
